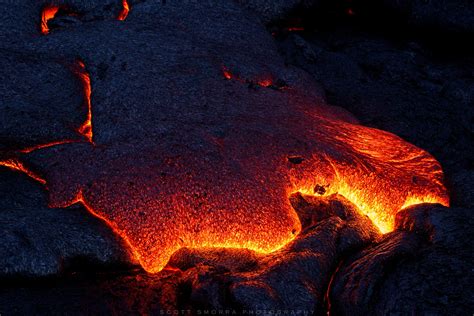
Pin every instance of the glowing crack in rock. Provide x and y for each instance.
(16, 165)
(188, 154)
(124, 13)
(47, 14)
(86, 128)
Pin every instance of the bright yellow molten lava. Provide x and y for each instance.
(384, 174)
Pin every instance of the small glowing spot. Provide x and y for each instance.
(48, 13)
(227, 74)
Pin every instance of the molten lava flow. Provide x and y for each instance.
(124, 13)
(400, 175)
(16, 165)
(48, 13)
(86, 128)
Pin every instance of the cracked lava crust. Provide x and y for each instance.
(194, 157)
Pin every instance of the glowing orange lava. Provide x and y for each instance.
(86, 128)
(16, 165)
(48, 13)
(378, 200)
(124, 13)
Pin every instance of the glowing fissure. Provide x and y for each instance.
(47, 145)
(86, 128)
(327, 296)
(16, 165)
(47, 14)
(124, 13)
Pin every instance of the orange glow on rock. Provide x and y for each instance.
(16, 165)
(416, 176)
(47, 145)
(265, 83)
(124, 13)
(86, 128)
(48, 13)
(227, 74)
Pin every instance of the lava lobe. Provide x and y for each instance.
(185, 157)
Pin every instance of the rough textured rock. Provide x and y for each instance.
(42, 101)
(401, 86)
(274, 10)
(40, 241)
(447, 15)
(22, 19)
(200, 111)
(293, 279)
(296, 278)
(425, 266)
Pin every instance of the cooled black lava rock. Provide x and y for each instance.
(21, 20)
(425, 266)
(39, 241)
(446, 15)
(274, 10)
(42, 101)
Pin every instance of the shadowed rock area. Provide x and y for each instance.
(425, 266)
(40, 241)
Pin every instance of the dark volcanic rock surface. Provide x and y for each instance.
(274, 10)
(40, 241)
(424, 267)
(42, 101)
(445, 15)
